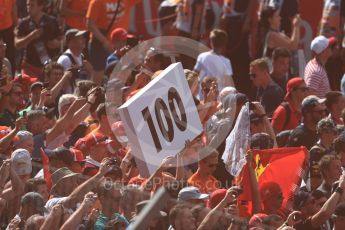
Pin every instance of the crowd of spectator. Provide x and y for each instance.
(64, 165)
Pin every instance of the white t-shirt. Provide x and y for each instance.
(210, 64)
(66, 61)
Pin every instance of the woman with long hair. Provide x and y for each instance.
(270, 36)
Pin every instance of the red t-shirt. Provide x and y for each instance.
(279, 118)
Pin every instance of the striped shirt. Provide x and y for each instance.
(316, 78)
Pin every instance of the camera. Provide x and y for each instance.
(133, 41)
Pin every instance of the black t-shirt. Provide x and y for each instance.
(50, 31)
(270, 97)
(302, 136)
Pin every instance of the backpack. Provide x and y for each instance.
(71, 58)
(288, 113)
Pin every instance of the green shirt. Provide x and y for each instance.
(102, 220)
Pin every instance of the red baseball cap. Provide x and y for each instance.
(93, 139)
(291, 84)
(119, 34)
(216, 197)
(26, 81)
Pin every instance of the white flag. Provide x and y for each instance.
(237, 143)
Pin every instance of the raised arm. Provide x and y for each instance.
(24, 41)
(328, 208)
(92, 27)
(254, 184)
(213, 216)
(259, 109)
(280, 40)
(77, 217)
(17, 186)
(6, 141)
(88, 185)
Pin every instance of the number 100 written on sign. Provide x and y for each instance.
(161, 106)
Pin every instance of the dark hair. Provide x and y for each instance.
(263, 27)
(48, 68)
(218, 38)
(32, 184)
(332, 98)
(265, 15)
(83, 87)
(325, 162)
(280, 52)
(175, 212)
(208, 80)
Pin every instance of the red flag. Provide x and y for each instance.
(46, 172)
(283, 166)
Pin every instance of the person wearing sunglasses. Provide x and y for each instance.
(288, 114)
(269, 93)
(202, 178)
(313, 110)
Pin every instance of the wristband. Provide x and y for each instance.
(339, 190)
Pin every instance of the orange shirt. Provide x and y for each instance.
(75, 21)
(6, 9)
(205, 186)
(102, 12)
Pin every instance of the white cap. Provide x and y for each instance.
(21, 161)
(320, 43)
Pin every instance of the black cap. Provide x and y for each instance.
(73, 33)
(261, 141)
(300, 198)
(61, 153)
(37, 84)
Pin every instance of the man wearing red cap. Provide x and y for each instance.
(288, 115)
(315, 74)
(95, 147)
